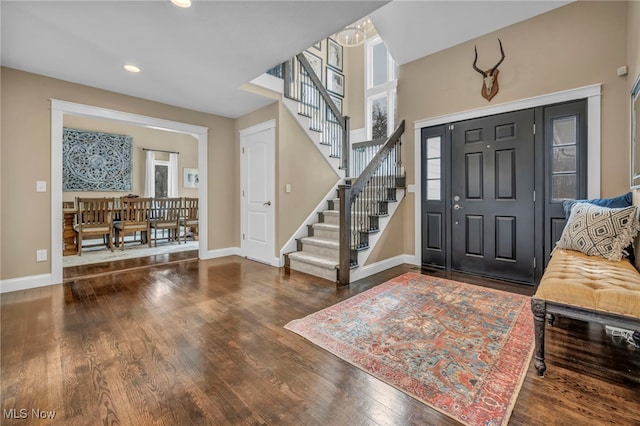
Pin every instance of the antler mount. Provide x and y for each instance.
(490, 77)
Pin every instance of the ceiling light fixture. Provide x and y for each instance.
(131, 68)
(182, 3)
(354, 34)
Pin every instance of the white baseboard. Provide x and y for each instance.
(237, 251)
(43, 280)
(383, 265)
(213, 254)
(25, 283)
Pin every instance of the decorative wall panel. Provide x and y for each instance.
(96, 161)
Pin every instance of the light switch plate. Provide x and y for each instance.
(41, 186)
(41, 255)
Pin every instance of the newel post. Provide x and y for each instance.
(344, 266)
(346, 146)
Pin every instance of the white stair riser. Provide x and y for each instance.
(327, 252)
(333, 219)
(329, 235)
(327, 274)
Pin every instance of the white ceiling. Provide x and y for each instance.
(195, 58)
(198, 58)
(414, 29)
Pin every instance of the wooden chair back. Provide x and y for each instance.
(94, 217)
(166, 215)
(134, 217)
(190, 210)
(94, 212)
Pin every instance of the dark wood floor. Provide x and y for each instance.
(202, 342)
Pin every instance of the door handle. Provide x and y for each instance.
(268, 203)
(457, 207)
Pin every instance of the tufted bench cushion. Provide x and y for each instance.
(574, 278)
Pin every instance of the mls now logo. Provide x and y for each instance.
(23, 413)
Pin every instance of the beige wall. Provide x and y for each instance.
(310, 179)
(26, 158)
(576, 45)
(633, 41)
(390, 245)
(303, 166)
(142, 137)
(354, 76)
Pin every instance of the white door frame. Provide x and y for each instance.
(244, 133)
(58, 110)
(592, 93)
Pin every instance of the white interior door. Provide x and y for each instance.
(257, 159)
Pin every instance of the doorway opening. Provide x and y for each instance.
(62, 109)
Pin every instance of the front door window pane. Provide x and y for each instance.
(565, 131)
(563, 188)
(564, 152)
(564, 159)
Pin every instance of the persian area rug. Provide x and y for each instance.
(461, 349)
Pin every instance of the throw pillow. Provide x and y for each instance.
(600, 231)
(625, 200)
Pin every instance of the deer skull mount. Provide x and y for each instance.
(490, 77)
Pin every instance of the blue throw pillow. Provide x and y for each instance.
(625, 200)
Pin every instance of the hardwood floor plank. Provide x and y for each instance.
(204, 343)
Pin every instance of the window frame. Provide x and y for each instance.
(387, 89)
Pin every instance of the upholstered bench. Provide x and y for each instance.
(587, 277)
(587, 288)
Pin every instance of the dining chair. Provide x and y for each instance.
(189, 217)
(166, 216)
(94, 217)
(134, 217)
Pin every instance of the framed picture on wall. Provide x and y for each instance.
(330, 116)
(191, 178)
(335, 82)
(315, 62)
(338, 101)
(334, 54)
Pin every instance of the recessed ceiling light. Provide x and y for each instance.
(182, 3)
(131, 68)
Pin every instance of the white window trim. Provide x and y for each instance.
(388, 89)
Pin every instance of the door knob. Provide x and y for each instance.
(268, 203)
(457, 207)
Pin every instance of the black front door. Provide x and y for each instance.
(492, 196)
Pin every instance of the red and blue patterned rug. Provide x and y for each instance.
(461, 349)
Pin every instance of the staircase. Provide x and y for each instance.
(319, 253)
(361, 206)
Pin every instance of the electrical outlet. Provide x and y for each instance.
(41, 255)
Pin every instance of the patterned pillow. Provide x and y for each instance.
(600, 231)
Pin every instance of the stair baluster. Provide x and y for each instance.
(361, 201)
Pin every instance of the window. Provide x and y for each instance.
(161, 169)
(380, 93)
(434, 164)
(564, 177)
